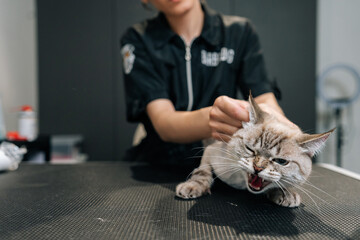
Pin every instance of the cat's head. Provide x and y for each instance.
(272, 152)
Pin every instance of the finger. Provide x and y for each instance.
(217, 115)
(222, 128)
(243, 107)
(233, 108)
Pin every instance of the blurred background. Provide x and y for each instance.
(63, 59)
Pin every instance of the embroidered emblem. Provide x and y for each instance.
(212, 59)
(127, 52)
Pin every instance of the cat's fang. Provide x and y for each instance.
(257, 183)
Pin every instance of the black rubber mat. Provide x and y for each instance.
(122, 201)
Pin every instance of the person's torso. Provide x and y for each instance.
(195, 75)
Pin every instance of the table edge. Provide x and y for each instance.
(340, 170)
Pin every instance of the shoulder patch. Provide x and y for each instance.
(127, 52)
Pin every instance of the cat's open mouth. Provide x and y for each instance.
(256, 183)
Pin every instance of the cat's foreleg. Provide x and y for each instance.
(286, 198)
(199, 184)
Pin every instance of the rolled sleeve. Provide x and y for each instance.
(142, 83)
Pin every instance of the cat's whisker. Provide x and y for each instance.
(307, 182)
(317, 172)
(196, 155)
(193, 157)
(225, 172)
(221, 157)
(292, 180)
(277, 183)
(204, 166)
(303, 190)
(231, 171)
(202, 149)
(316, 205)
(309, 192)
(227, 165)
(283, 185)
(223, 150)
(272, 179)
(209, 165)
(244, 165)
(226, 135)
(314, 176)
(195, 148)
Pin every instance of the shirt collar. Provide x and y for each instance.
(211, 31)
(160, 31)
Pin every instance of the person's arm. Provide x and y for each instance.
(178, 126)
(227, 114)
(219, 121)
(270, 100)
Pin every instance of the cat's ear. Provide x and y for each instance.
(256, 115)
(313, 143)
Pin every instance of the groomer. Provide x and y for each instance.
(182, 70)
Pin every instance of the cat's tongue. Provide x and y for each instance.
(256, 182)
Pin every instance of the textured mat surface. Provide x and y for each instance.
(122, 201)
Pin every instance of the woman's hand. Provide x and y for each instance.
(227, 114)
(226, 117)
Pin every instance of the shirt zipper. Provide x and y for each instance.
(189, 75)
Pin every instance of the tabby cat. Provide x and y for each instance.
(265, 156)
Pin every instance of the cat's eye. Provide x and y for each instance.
(252, 151)
(281, 161)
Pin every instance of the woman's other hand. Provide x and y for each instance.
(226, 117)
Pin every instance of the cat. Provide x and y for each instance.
(264, 156)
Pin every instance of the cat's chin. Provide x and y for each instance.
(256, 184)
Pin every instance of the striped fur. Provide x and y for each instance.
(265, 148)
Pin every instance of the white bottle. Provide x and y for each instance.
(28, 123)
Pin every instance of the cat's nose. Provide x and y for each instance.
(258, 169)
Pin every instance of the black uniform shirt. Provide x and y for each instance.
(157, 64)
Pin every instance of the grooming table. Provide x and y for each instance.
(116, 200)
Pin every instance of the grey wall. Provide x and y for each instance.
(339, 44)
(80, 88)
(80, 80)
(75, 72)
(18, 76)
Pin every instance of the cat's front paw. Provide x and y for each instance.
(192, 189)
(286, 199)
